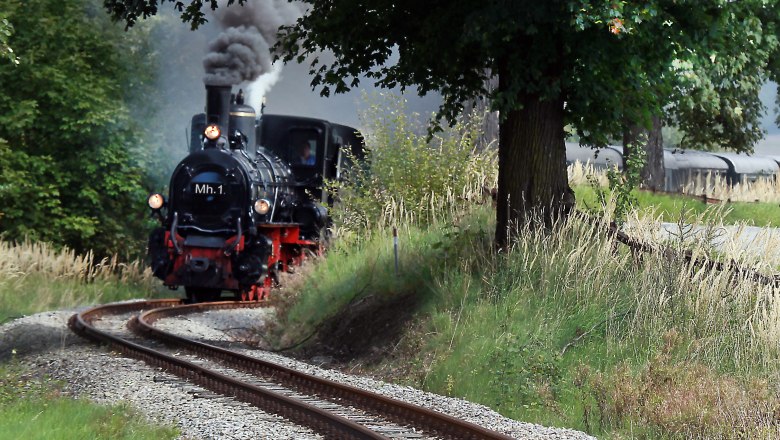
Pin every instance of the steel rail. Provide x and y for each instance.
(398, 411)
(330, 425)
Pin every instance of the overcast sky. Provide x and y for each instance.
(771, 142)
(292, 95)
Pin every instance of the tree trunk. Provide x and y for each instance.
(652, 174)
(532, 183)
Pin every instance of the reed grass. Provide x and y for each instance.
(38, 276)
(766, 190)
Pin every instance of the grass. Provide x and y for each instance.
(35, 277)
(762, 190)
(365, 268)
(33, 408)
(751, 203)
(670, 207)
(566, 330)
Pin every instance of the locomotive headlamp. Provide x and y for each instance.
(262, 206)
(156, 201)
(212, 132)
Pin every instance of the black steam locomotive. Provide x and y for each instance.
(247, 202)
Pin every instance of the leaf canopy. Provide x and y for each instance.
(71, 165)
(699, 62)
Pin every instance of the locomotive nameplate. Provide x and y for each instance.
(209, 189)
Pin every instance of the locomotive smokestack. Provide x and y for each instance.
(218, 106)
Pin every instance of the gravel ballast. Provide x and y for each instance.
(46, 345)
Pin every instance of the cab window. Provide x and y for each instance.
(303, 147)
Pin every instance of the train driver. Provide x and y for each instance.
(306, 157)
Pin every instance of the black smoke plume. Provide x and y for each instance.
(239, 54)
(242, 53)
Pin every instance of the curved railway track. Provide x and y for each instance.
(330, 408)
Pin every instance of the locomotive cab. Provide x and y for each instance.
(301, 143)
(347, 145)
(290, 137)
(315, 150)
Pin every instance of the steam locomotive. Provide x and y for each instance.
(247, 201)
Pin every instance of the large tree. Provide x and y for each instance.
(714, 97)
(592, 64)
(715, 102)
(69, 153)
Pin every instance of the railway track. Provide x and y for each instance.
(330, 408)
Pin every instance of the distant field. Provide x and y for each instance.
(670, 207)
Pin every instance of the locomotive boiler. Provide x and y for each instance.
(247, 201)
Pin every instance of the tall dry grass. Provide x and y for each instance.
(38, 276)
(706, 233)
(762, 190)
(585, 174)
(528, 324)
(734, 318)
(36, 258)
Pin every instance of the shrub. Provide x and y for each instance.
(409, 178)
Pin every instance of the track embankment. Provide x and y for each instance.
(332, 409)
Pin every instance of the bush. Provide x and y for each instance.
(409, 178)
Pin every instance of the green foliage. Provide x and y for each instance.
(717, 104)
(35, 408)
(623, 184)
(619, 198)
(131, 11)
(523, 375)
(672, 207)
(6, 29)
(72, 159)
(609, 61)
(407, 178)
